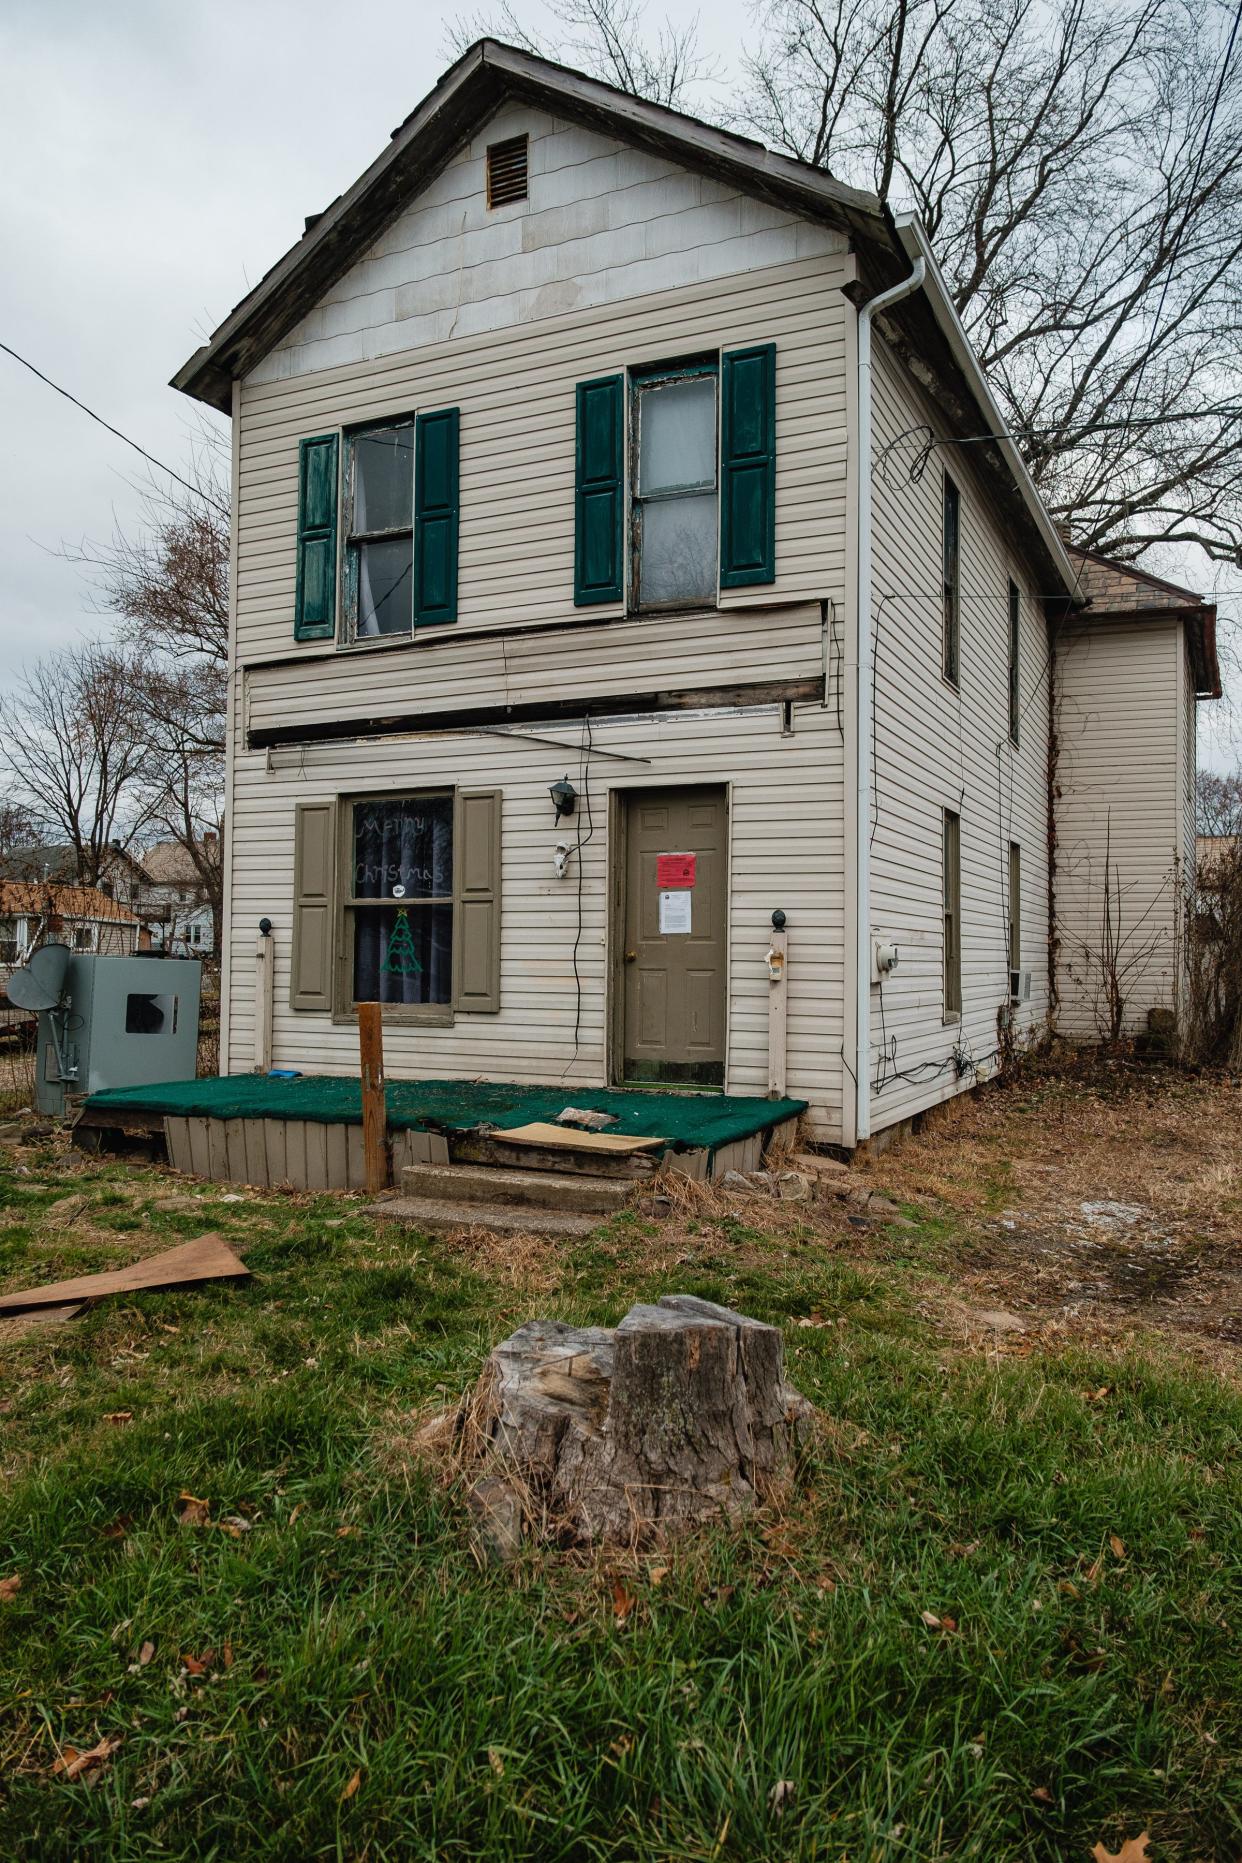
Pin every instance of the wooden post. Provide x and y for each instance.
(374, 1109)
(264, 996)
(777, 956)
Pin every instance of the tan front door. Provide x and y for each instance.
(675, 919)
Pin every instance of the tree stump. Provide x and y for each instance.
(679, 1416)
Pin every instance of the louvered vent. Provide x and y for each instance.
(506, 171)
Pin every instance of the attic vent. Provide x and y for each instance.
(506, 171)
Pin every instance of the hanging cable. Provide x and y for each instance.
(109, 428)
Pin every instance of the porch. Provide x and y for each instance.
(307, 1132)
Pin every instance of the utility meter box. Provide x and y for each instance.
(121, 1022)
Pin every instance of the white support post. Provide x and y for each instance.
(264, 997)
(777, 962)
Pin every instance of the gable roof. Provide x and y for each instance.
(460, 104)
(463, 100)
(1121, 592)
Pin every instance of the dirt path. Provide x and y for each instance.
(1090, 1200)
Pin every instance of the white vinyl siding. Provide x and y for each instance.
(785, 851)
(1122, 773)
(940, 749)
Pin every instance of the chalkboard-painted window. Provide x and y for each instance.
(675, 518)
(379, 519)
(400, 908)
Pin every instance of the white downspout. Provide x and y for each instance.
(862, 712)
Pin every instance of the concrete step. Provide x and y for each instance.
(477, 1183)
(438, 1216)
(472, 1148)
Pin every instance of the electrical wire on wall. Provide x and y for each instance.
(584, 779)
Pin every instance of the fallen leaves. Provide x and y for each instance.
(193, 1511)
(623, 1601)
(72, 1763)
(781, 1797)
(351, 1786)
(1134, 1850)
(118, 1416)
(947, 1624)
(9, 1588)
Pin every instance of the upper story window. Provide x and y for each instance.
(675, 525)
(391, 492)
(1015, 616)
(379, 530)
(952, 626)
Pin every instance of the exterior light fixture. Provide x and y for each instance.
(563, 795)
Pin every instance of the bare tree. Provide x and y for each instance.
(77, 747)
(606, 38)
(1078, 166)
(168, 583)
(1218, 803)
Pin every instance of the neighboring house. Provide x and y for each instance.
(1128, 672)
(572, 451)
(121, 874)
(36, 912)
(173, 902)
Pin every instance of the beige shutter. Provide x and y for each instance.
(476, 934)
(314, 905)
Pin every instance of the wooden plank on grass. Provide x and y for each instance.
(206, 1258)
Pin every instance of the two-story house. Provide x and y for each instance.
(626, 549)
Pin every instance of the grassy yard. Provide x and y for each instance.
(319, 1667)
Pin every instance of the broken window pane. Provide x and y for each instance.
(678, 554)
(385, 586)
(384, 480)
(677, 435)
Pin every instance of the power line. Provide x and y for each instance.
(107, 425)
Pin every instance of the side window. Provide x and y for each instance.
(1015, 906)
(379, 531)
(951, 662)
(1015, 615)
(674, 528)
(952, 864)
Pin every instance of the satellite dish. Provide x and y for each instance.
(39, 985)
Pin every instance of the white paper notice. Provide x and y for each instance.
(675, 912)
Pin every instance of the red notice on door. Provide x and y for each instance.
(674, 870)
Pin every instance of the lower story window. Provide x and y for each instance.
(400, 908)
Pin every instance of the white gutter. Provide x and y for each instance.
(863, 706)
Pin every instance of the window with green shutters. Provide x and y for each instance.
(599, 478)
(315, 598)
(678, 501)
(398, 520)
(748, 467)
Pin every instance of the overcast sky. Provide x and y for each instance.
(156, 157)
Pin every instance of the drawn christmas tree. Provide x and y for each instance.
(401, 959)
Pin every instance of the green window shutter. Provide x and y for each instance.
(436, 446)
(476, 933)
(315, 603)
(314, 905)
(599, 483)
(748, 467)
